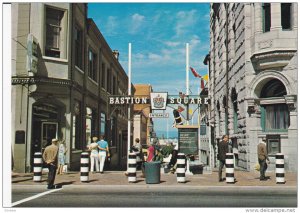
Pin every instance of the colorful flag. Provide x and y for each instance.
(195, 73)
(205, 77)
(202, 83)
(180, 109)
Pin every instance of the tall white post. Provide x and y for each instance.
(199, 125)
(129, 93)
(187, 79)
(167, 129)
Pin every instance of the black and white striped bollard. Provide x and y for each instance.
(280, 168)
(180, 170)
(84, 167)
(37, 166)
(132, 167)
(229, 163)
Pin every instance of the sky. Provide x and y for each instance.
(158, 33)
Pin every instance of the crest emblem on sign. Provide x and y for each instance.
(158, 100)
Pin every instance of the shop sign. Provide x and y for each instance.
(159, 115)
(158, 100)
(32, 54)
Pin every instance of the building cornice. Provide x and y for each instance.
(272, 59)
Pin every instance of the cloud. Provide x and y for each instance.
(111, 25)
(137, 22)
(185, 21)
(172, 43)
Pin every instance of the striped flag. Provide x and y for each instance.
(195, 73)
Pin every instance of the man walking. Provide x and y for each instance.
(103, 150)
(50, 158)
(262, 158)
(223, 149)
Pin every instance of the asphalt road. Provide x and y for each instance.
(154, 196)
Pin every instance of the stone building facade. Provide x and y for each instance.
(62, 93)
(253, 79)
(142, 123)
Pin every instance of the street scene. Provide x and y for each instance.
(153, 105)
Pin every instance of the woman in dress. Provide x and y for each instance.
(62, 150)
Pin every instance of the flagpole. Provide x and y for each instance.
(129, 94)
(187, 80)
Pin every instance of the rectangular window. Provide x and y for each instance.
(203, 129)
(102, 124)
(113, 131)
(78, 48)
(266, 17)
(92, 71)
(53, 32)
(286, 16)
(275, 117)
(88, 125)
(108, 86)
(103, 76)
(273, 144)
(77, 127)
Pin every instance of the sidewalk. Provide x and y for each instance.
(243, 178)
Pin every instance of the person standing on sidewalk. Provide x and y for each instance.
(62, 150)
(94, 156)
(103, 150)
(137, 149)
(262, 158)
(50, 158)
(223, 149)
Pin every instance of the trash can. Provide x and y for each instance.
(152, 172)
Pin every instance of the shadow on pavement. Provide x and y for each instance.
(23, 180)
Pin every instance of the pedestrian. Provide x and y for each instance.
(150, 152)
(262, 158)
(137, 149)
(50, 158)
(173, 161)
(149, 157)
(62, 150)
(223, 149)
(103, 152)
(94, 156)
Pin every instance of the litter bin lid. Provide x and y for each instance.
(153, 162)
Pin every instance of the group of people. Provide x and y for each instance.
(225, 147)
(99, 152)
(54, 157)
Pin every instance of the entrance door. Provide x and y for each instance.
(49, 131)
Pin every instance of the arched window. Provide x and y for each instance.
(275, 113)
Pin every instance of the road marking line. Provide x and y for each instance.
(34, 197)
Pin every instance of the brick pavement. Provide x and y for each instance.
(118, 178)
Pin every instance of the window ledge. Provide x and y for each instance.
(92, 80)
(55, 59)
(78, 69)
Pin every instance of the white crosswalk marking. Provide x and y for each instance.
(34, 197)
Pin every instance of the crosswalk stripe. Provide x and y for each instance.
(34, 197)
